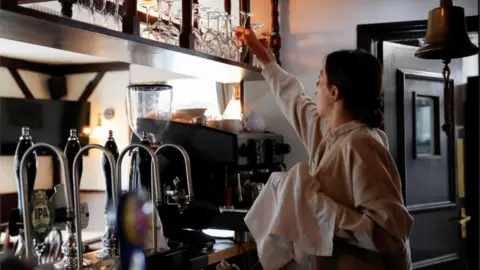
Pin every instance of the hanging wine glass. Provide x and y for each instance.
(223, 48)
(254, 28)
(110, 11)
(211, 42)
(148, 31)
(81, 6)
(160, 27)
(233, 43)
(163, 28)
(174, 32)
(118, 14)
(196, 28)
(91, 8)
(104, 12)
(244, 19)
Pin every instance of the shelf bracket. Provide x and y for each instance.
(21, 84)
(91, 86)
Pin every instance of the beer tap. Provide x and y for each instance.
(108, 171)
(71, 151)
(156, 192)
(179, 195)
(23, 194)
(14, 224)
(109, 239)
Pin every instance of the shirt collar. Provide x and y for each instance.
(345, 128)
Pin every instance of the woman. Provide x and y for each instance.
(348, 156)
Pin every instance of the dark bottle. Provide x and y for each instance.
(24, 143)
(144, 163)
(112, 147)
(71, 150)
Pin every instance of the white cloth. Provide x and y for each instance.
(289, 222)
(162, 242)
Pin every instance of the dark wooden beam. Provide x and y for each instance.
(8, 4)
(21, 84)
(67, 7)
(245, 6)
(275, 38)
(227, 5)
(369, 33)
(186, 35)
(130, 20)
(91, 87)
(195, 22)
(27, 65)
(54, 70)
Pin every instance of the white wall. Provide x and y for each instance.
(110, 93)
(310, 29)
(38, 86)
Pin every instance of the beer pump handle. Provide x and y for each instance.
(25, 142)
(71, 150)
(111, 146)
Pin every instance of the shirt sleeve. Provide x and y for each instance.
(297, 107)
(380, 221)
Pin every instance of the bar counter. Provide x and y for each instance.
(243, 255)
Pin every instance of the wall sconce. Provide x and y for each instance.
(446, 39)
(98, 130)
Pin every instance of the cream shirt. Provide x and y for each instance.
(358, 177)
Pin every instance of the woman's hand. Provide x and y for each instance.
(249, 38)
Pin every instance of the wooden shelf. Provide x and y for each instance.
(41, 29)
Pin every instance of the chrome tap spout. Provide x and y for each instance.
(109, 238)
(188, 170)
(29, 253)
(156, 186)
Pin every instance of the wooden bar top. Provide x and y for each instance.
(225, 249)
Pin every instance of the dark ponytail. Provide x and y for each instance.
(358, 76)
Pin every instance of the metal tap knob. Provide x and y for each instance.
(156, 193)
(182, 199)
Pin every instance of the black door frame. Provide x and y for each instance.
(368, 38)
(370, 34)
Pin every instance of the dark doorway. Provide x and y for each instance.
(425, 156)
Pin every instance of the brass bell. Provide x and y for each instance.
(447, 36)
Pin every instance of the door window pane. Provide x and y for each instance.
(425, 139)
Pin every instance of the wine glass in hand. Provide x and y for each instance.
(250, 40)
